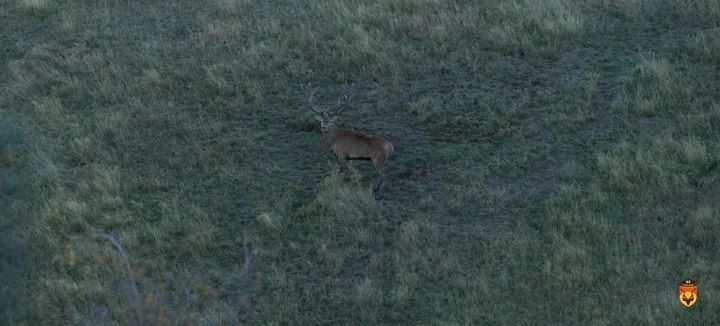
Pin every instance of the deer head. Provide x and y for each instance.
(326, 117)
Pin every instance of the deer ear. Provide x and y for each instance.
(318, 118)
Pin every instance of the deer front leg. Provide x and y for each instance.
(380, 171)
(343, 165)
(378, 186)
(379, 181)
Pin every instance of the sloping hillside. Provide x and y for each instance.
(556, 162)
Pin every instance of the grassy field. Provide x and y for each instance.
(556, 162)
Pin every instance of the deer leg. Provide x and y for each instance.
(377, 193)
(343, 165)
(380, 181)
(380, 169)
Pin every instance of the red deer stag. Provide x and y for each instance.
(349, 144)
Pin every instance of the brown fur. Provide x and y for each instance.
(351, 144)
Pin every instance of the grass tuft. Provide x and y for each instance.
(706, 45)
(665, 166)
(655, 88)
(34, 6)
(529, 24)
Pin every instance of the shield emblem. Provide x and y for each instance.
(688, 292)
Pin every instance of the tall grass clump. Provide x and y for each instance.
(654, 87)
(706, 45)
(231, 6)
(648, 10)
(528, 25)
(35, 7)
(662, 168)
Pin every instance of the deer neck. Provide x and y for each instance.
(331, 134)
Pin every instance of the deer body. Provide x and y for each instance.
(349, 144)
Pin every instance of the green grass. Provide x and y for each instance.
(556, 162)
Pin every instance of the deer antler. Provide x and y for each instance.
(309, 93)
(348, 97)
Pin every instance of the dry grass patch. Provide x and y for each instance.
(642, 9)
(34, 6)
(49, 112)
(233, 6)
(666, 166)
(706, 45)
(529, 24)
(655, 88)
(426, 108)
